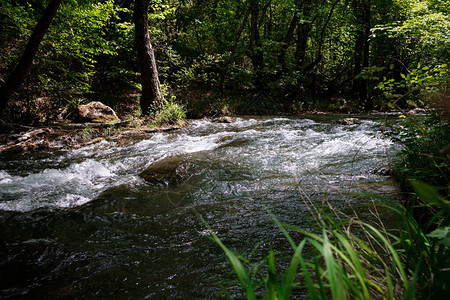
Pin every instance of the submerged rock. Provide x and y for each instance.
(349, 121)
(383, 171)
(169, 171)
(97, 112)
(228, 141)
(224, 119)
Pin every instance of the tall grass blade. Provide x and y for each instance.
(291, 271)
(397, 265)
(312, 291)
(356, 264)
(271, 280)
(411, 290)
(239, 269)
(283, 230)
(336, 286)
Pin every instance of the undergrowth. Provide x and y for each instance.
(425, 151)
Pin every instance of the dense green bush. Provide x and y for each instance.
(425, 150)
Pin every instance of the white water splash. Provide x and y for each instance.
(266, 148)
(69, 187)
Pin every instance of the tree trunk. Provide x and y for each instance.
(362, 10)
(151, 87)
(358, 57)
(319, 55)
(303, 31)
(365, 100)
(23, 67)
(224, 69)
(288, 38)
(256, 53)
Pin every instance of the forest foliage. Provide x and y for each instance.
(245, 56)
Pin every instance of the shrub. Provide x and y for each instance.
(169, 112)
(425, 151)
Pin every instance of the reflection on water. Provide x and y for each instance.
(85, 224)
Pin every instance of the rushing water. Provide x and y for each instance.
(84, 224)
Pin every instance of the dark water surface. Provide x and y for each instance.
(83, 224)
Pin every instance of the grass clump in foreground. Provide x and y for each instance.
(346, 258)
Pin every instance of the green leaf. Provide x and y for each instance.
(445, 242)
(428, 194)
(337, 288)
(291, 272)
(440, 233)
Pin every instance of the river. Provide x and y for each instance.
(83, 224)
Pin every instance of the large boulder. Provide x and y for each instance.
(97, 112)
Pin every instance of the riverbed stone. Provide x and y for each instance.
(224, 119)
(97, 112)
(168, 171)
(349, 121)
(382, 171)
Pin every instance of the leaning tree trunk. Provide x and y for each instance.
(151, 87)
(23, 67)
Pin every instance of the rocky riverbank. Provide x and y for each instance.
(67, 135)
